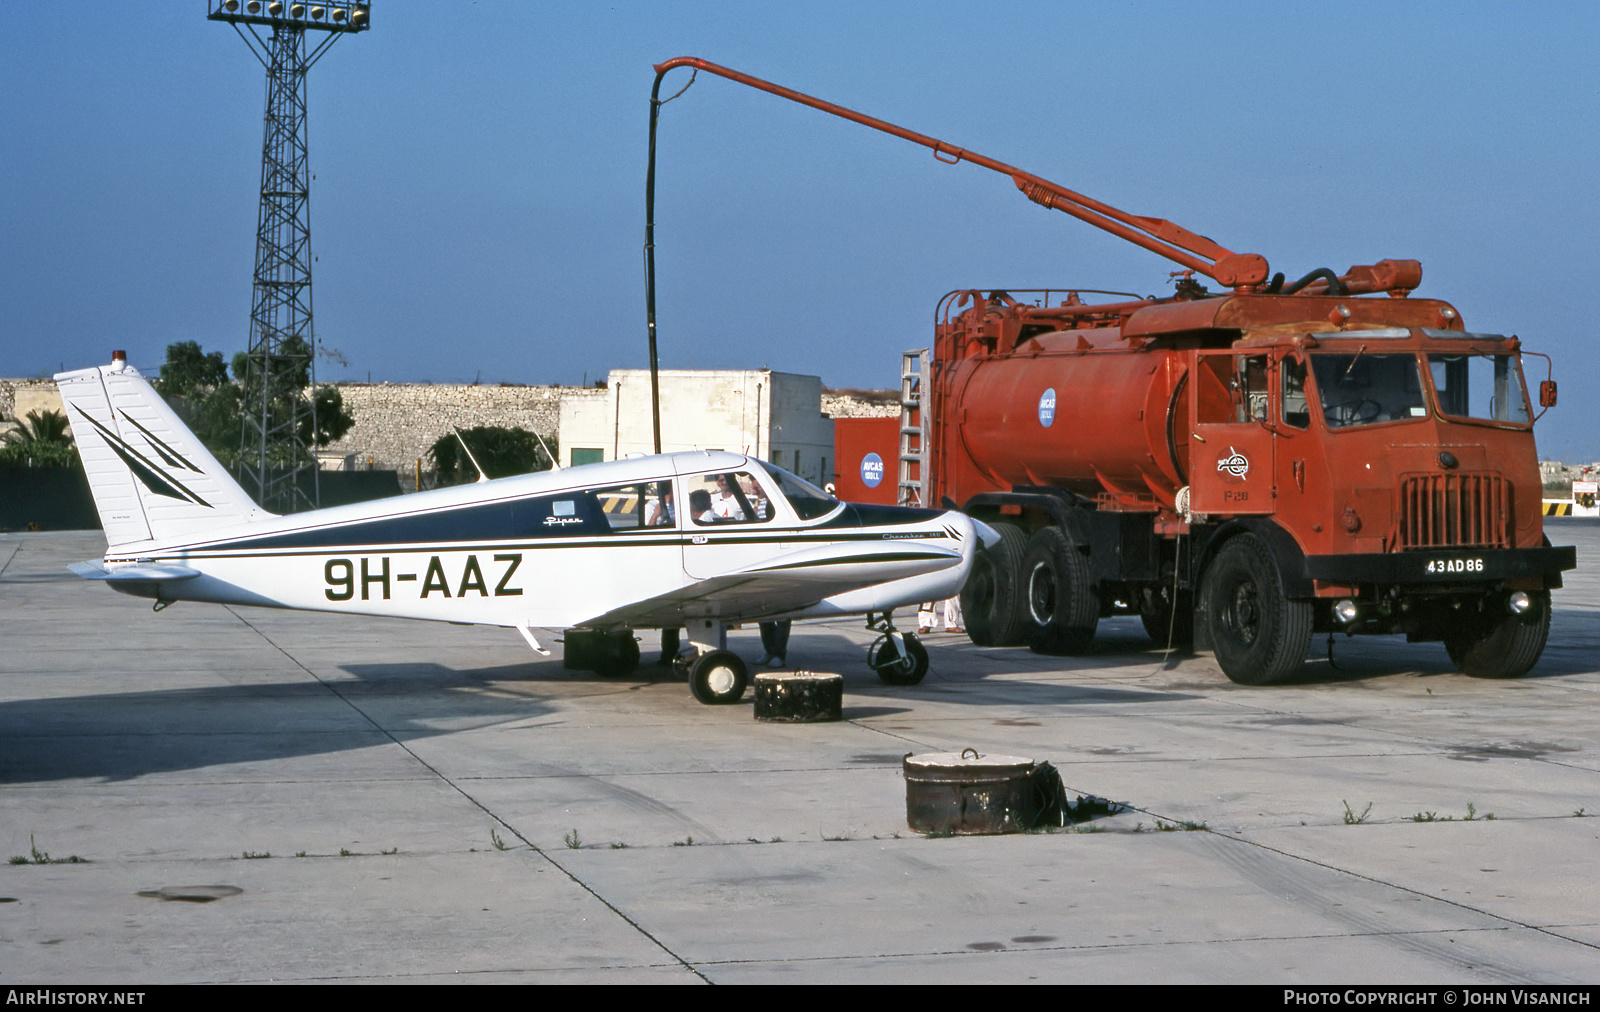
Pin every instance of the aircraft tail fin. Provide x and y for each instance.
(150, 476)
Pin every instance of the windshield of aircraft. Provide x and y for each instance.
(1365, 389)
(1480, 385)
(808, 500)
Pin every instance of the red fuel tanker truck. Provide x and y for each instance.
(1242, 468)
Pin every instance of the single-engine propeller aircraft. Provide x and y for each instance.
(700, 540)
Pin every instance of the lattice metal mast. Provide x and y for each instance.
(280, 419)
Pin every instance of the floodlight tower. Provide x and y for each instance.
(280, 420)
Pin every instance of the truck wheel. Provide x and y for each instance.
(717, 676)
(1061, 606)
(1506, 649)
(989, 601)
(1156, 612)
(1260, 637)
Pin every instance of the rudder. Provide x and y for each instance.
(150, 476)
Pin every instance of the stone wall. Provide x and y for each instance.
(397, 422)
(861, 403)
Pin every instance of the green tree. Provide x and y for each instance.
(42, 440)
(197, 386)
(189, 371)
(500, 450)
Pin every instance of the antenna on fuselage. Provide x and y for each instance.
(555, 465)
(482, 475)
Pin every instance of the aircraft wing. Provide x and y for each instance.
(784, 583)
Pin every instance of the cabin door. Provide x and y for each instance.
(1231, 443)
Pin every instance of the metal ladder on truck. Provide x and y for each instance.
(913, 429)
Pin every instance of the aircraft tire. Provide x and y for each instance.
(1059, 602)
(718, 677)
(990, 604)
(895, 668)
(1504, 649)
(1260, 636)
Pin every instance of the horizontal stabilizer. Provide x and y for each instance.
(139, 572)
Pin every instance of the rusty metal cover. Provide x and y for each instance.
(799, 697)
(969, 794)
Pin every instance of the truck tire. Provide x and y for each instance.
(990, 604)
(1260, 637)
(1059, 600)
(1504, 649)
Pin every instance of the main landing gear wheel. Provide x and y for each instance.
(1507, 648)
(898, 658)
(989, 602)
(1062, 607)
(717, 677)
(1260, 636)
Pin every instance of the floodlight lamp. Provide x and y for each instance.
(358, 17)
(254, 6)
(338, 15)
(275, 8)
(297, 11)
(316, 13)
(231, 6)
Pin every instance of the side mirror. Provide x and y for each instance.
(1547, 394)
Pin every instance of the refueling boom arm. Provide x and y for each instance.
(1243, 272)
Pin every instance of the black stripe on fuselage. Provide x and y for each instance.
(666, 539)
(851, 560)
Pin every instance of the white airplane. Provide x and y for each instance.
(701, 540)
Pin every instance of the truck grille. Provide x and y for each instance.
(1451, 510)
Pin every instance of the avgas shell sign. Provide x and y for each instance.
(871, 470)
(1047, 407)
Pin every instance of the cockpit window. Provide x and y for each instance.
(1482, 386)
(1365, 389)
(809, 501)
(730, 498)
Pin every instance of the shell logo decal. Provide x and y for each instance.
(1235, 463)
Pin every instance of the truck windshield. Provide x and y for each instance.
(1483, 386)
(1363, 389)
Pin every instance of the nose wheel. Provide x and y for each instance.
(898, 658)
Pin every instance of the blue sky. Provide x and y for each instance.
(478, 204)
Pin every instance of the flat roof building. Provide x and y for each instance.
(775, 416)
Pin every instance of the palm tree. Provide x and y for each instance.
(40, 427)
